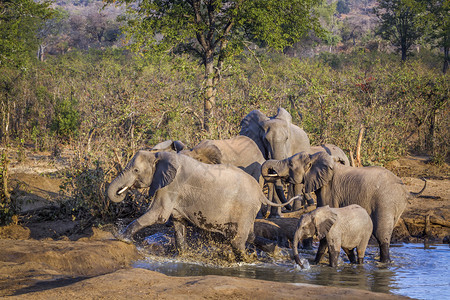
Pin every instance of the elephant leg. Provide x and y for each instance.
(275, 212)
(307, 244)
(298, 203)
(323, 245)
(334, 256)
(350, 254)
(238, 246)
(180, 234)
(309, 199)
(360, 251)
(384, 253)
(127, 235)
(382, 229)
(156, 214)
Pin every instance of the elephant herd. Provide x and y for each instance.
(218, 186)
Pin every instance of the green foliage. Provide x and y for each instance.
(402, 22)
(438, 29)
(66, 120)
(342, 7)
(19, 20)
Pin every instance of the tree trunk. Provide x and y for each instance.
(446, 59)
(404, 53)
(210, 91)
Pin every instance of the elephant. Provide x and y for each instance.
(217, 198)
(337, 153)
(277, 138)
(239, 151)
(376, 189)
(348, 227)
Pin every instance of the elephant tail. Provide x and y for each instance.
(265, 201)
(415, 195)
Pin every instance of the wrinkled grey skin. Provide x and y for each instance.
(168, 146)
(239, 151)
(381, 193)
(218, 198)
(337, 153)
(348, 227)
(277, 138)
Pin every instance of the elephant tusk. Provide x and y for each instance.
(271, 175)
(122, 190)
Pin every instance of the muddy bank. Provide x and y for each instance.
(29, 264)
(144, 284)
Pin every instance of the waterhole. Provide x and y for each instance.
(420, 271)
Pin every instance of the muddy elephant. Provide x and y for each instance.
(277, 138)
(376, 189)
(239, 151)
(348, 228)
(217, 198)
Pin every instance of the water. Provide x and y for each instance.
(417, 270)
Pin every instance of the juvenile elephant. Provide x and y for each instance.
(239, 151)
(376, 189)
(218, 198)
(277, 138)
(348, 227)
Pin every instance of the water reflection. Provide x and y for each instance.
(418, 271)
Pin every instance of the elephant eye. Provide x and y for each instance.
(135, 170)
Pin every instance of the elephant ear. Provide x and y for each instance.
(165, 166)
(252, 126)
(283, 114)
(178, 146)
(318, 172)
(209, 154)
(323, 219)
(163, 146)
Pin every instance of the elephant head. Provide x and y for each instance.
(276, 137)
(168, 146)
(145, 169)
(206, 153)
(313, 171)
(318, 222)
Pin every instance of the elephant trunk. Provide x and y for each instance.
(297, 236)
(118, 187)
(272, 170)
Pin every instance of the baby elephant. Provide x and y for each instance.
(348, 227)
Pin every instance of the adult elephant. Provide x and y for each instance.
(376, 189)
(277, 138)
(219, 198)
(239, 151)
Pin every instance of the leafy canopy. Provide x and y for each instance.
(201, 26)
(19, 21)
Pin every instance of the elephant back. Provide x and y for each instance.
(252, 127)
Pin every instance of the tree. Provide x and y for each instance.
(216, 30)
(49, 33)
(401, 22)
(439, 29)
